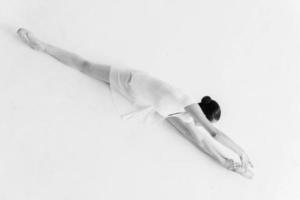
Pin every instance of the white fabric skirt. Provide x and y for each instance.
(140, 96)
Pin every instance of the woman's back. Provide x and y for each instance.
(149, 90)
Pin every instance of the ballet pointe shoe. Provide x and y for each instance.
(28, 38)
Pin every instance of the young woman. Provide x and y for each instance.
(157, 100)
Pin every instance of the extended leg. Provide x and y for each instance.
(97, 71)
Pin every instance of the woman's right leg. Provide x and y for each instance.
(98, 71)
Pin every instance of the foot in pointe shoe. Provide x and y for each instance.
(28, 38)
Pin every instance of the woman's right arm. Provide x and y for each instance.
(200, 119)
(203, 141)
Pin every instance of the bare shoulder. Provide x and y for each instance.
(181, 119)
(183, 127)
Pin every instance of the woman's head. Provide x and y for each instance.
(210, 108)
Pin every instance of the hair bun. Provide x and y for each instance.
(206, 99)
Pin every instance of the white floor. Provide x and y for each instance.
(61, 139)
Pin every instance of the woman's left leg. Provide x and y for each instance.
(98, 71)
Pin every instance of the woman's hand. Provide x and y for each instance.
(231, 164)
(238, 168)
(245, 160)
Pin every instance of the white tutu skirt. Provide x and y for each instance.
(141, 97)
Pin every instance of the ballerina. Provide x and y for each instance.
(158, 101)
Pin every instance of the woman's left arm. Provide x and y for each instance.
(226, 141)
(200, 119)
(203, 141)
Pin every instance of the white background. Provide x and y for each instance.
(61, 139)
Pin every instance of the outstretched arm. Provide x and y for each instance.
(200, 119)
(203, 141)
(226, 141)
(198, 140)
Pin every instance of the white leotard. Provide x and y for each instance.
(145, 95)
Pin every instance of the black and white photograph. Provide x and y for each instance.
(144, 100)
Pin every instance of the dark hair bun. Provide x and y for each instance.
(206, 100)
(210, 108)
